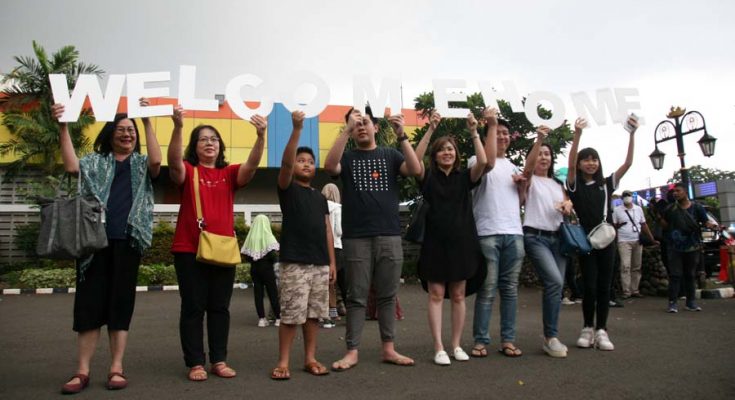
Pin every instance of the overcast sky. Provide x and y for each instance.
(673, 52)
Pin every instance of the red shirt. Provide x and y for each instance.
(216, 190)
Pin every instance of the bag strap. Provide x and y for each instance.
(635, 228)
(197, 200)
(604, 213)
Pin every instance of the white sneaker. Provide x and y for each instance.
(565, 301)
(555, 348)
(262, 323)
(460, 355)
(586, 338)
(442, 358)
(602, 341)
(278, 322)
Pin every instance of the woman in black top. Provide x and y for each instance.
(450, 248)
(589, 190)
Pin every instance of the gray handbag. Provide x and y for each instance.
(71, 227)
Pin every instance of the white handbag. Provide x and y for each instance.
(603, 234)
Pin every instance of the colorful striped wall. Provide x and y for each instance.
(239, 135)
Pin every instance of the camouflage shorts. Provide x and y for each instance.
(304, 292)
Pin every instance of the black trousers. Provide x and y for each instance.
(106, 293)
(682, 270)
(264, 279)
(204, 288)
(597, 274)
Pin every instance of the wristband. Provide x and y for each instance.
(402, 138)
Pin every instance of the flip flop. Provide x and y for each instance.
(280, 374)
(197, 374)
(316, 368)
(341, 365)
(223, 371)
(402, 361)
(510, 351)
(479, 351)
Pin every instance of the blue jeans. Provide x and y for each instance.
(504, 255)
(550, 264)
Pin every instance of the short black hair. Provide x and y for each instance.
(306, 149)
(368, 111)
(501, 121)
(681, 184)
(103, 142)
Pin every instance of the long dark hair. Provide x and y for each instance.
(437, 146)
(586, 153)
(190, 154)
(103, 142)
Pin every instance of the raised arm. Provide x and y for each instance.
(631, 148)
(410, 165)
(68, 156)
(541, 132)
(151, 144)
(285, 175)
(247, 170)
(490, 115)
(480, 167)
(332, 162)
(579, 125)
(175, 154)
(423, 144)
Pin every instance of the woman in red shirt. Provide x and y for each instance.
(206, 288)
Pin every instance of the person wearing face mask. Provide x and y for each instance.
(629, 221)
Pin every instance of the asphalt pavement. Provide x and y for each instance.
(689, 355)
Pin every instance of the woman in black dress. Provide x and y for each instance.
(450, 248)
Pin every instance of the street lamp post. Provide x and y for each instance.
(694, 122)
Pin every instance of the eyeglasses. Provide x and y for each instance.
(122, 129)
(206, 140)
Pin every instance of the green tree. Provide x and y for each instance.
(522, 132)
(699, 174)
(26, 104)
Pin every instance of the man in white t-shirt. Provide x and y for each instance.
(628, 218)
(496, 207)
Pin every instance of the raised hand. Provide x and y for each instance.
(178, 116)
(144, 102)
(632, 122)
(542, 132)
(353, 121)
(57, 110)
(580, 124)
(297, 117)
(396, 121)
(471, 123)
(434, 120)
(490, 115)
(260, 124)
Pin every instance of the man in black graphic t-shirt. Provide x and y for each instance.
(370, 226)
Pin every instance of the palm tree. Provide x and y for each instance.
(26, 106)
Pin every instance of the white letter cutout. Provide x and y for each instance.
(103, 107)
(137, 89)
(442, 98)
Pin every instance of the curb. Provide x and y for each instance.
(721, 293)
(152, 288)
